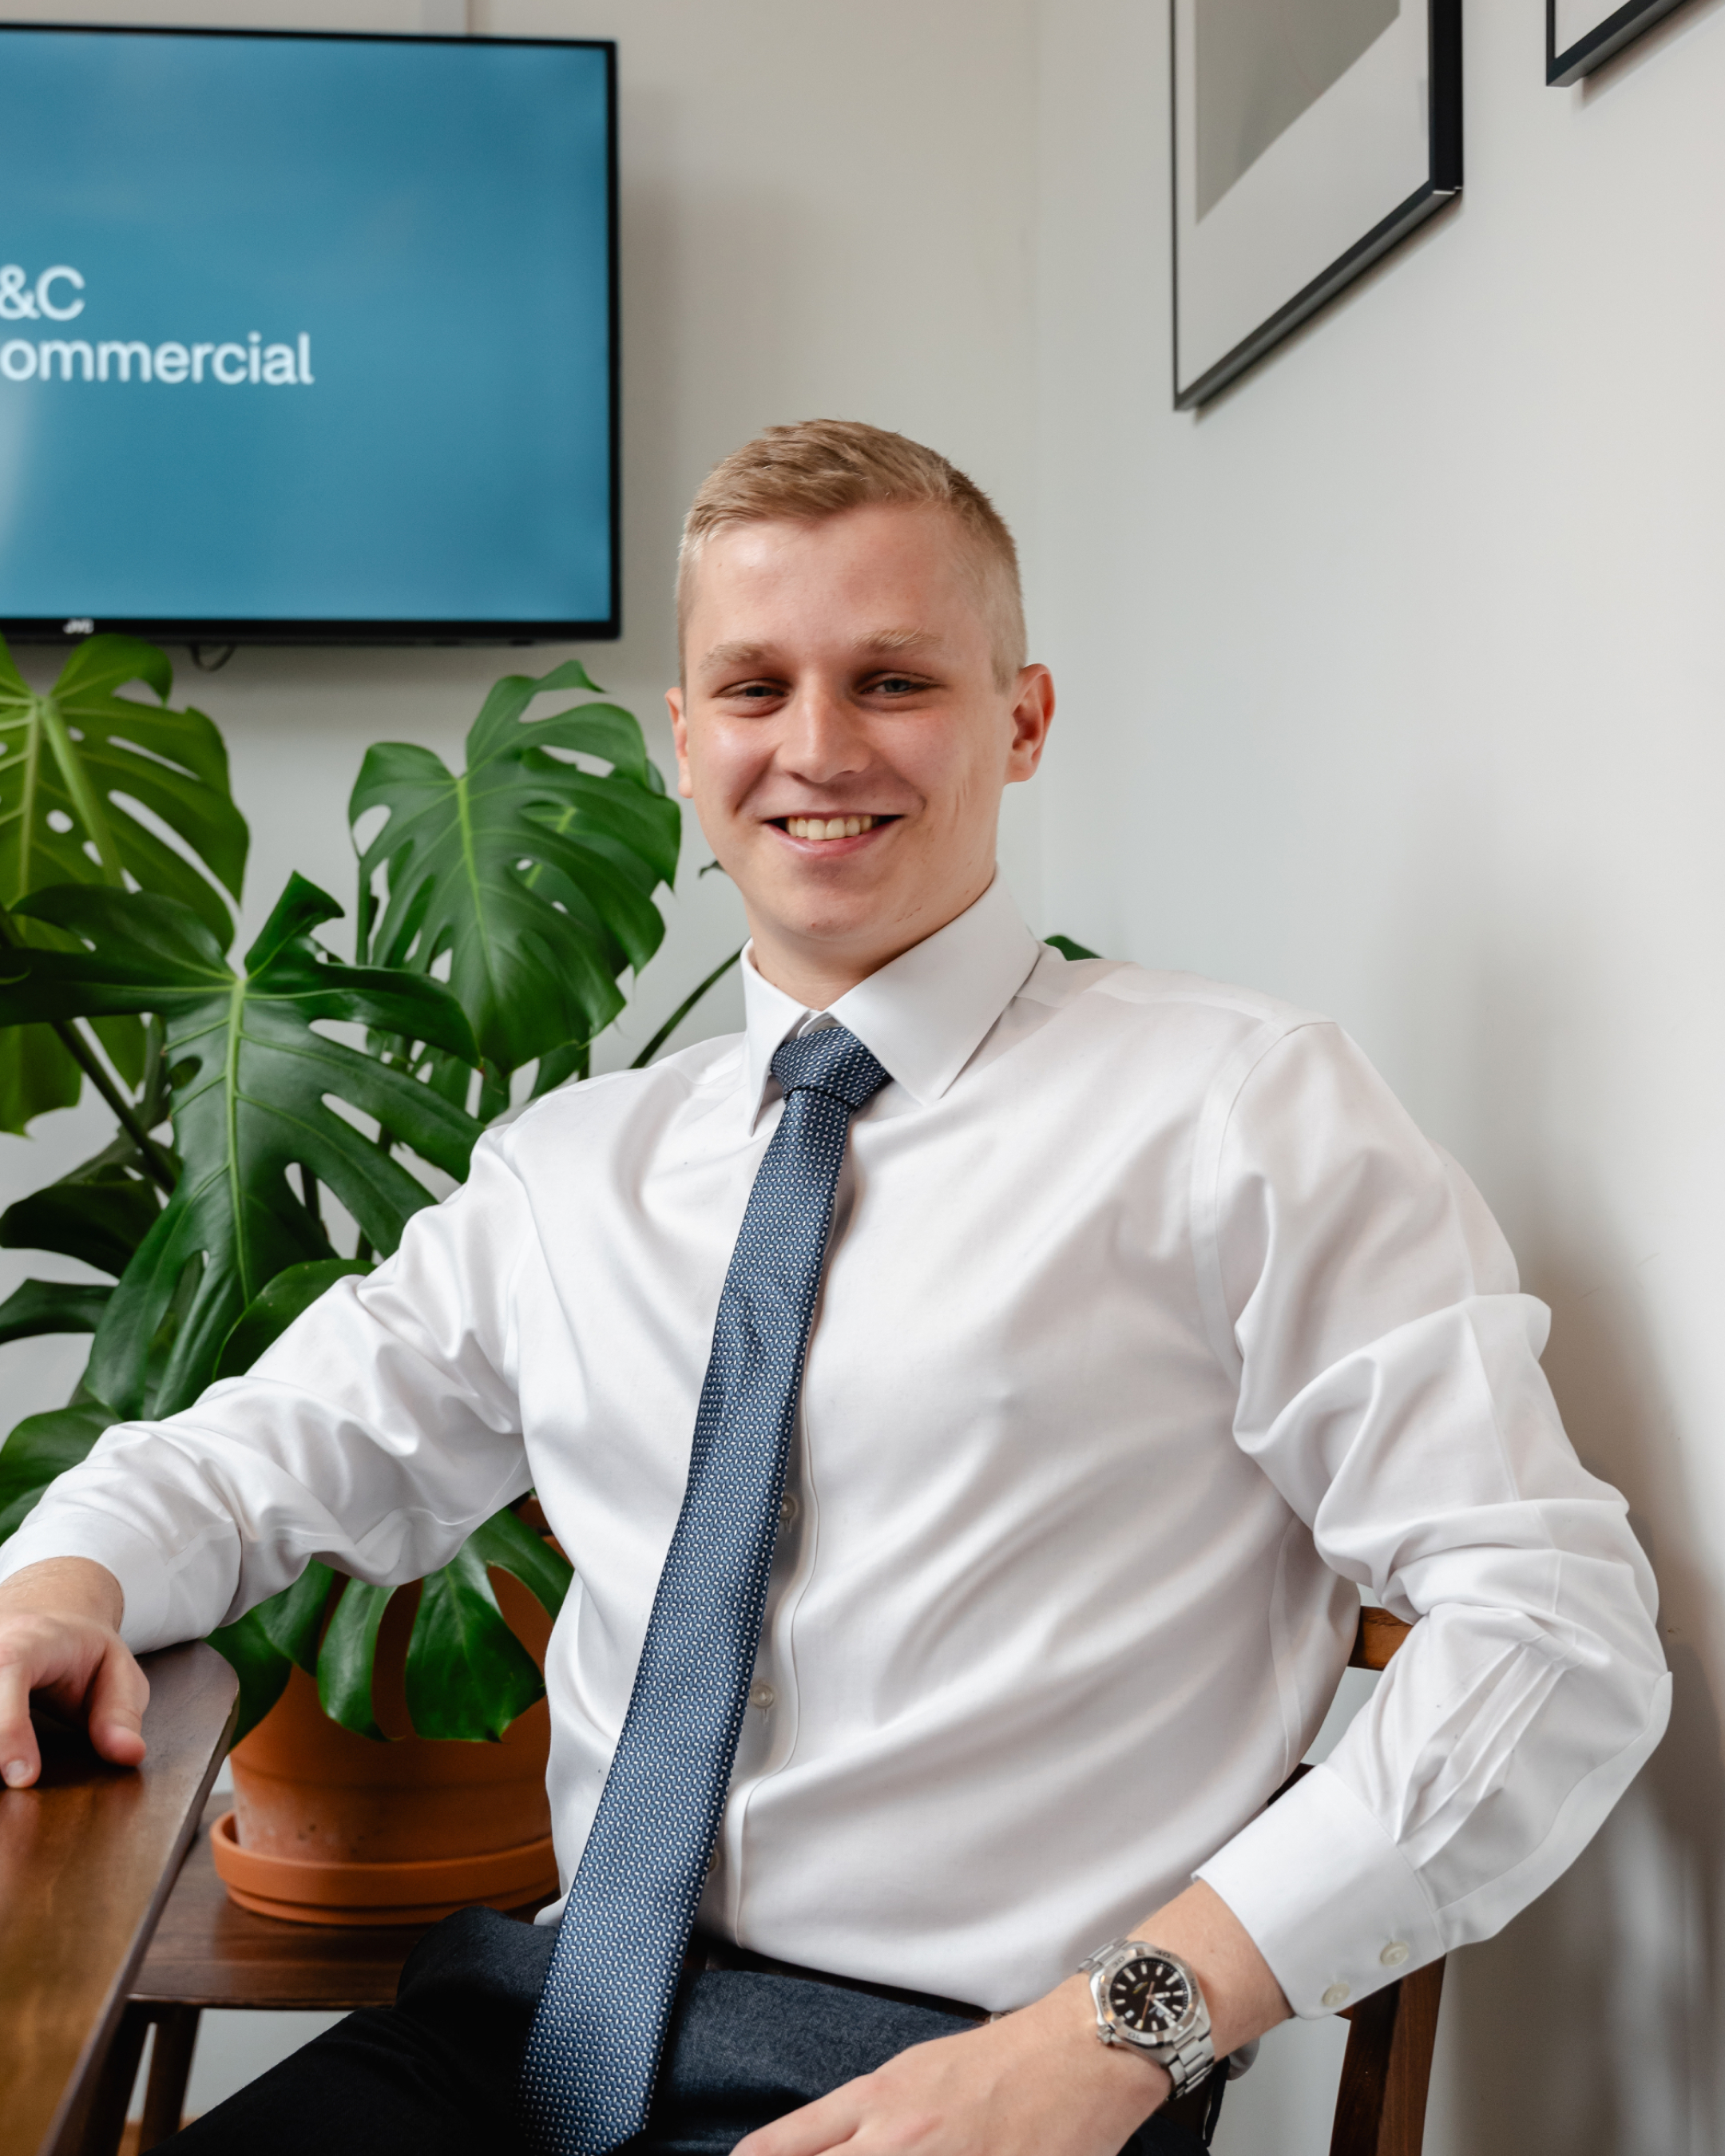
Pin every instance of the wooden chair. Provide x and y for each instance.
(86, 1867)
(1380, 2105)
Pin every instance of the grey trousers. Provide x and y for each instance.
(435, 2074)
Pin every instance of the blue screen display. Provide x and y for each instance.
(304, 329)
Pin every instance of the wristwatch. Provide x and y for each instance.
(1147, 1997)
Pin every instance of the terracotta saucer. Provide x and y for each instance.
(307, 1891)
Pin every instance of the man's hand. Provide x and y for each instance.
(1039, 2082)
(1036, 2083)
(59, 1638)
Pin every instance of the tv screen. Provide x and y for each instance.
(307, 338)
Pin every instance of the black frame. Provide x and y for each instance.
(1442, 185)
(1598, 46)
(214, 631)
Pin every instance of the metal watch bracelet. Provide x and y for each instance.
(1186, 2067)
(1187, 2060)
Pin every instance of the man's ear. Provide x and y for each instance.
(1032, 716)
(679, 735)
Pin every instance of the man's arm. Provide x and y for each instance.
(374, 1435)
(59, 1636)
(1040, 2079)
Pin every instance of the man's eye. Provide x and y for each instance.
(898, 685)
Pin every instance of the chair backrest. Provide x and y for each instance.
(1377, 1639)
(1380, 2104)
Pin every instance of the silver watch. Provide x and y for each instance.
(1147, 1998)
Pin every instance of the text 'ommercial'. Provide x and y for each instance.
(57, 296)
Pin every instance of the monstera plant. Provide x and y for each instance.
(498, 908)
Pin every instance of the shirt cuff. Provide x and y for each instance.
(1329, 1899)
(128, 1554)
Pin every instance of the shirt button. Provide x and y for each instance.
(1336, 1996)
(788, 1509)
(1395, 1954)
(761, 1696)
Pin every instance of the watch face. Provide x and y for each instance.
(1149, 1994)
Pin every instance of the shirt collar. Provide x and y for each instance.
(923, 1016)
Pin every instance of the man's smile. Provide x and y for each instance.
(824, 830)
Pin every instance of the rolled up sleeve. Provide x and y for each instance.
(1391, 1388)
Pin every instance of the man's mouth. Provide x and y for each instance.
(819, 828)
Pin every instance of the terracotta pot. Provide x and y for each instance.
(329, 1828)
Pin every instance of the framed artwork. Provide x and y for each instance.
(1309, 136)
(1581, 34)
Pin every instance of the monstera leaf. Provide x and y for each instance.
(74, 762)
(468, 1675)
(268, 1315)
(37, 1306)
(533, 877)
(251, 1079)
(41, 1447)
(99, 1214)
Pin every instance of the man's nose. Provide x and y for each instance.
(823, 739)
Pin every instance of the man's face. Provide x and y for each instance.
(843, 736)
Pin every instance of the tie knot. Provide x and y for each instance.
(830, 1060)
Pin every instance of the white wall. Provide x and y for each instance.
(1393, 684)
(1390, 684)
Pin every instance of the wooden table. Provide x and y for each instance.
(208, 1952)
(87, 1858)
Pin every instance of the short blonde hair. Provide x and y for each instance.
(818, 468)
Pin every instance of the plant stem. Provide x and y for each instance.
(89, 1062)
(152, 1101)
(72, 1041)
(494, 1091)
(682, 1009)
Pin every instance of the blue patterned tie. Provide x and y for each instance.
(593, 2052)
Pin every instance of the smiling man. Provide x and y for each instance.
(854, 700)
(971, 1400)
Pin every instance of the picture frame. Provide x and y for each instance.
(1307, 142)
(1583, 34)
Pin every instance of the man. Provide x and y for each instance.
(973, 1646)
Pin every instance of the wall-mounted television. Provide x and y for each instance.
(307, 339)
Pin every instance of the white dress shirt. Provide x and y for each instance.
(1151, 1325)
